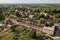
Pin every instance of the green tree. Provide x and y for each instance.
(42, 21)
(17, 14)
(49, 23)
(2, 16)
(57, 15)
(32, 33)
(41, 15)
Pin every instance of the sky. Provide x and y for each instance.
(31, 1)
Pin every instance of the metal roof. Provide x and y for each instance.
(57, 33)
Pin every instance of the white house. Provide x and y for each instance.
(31, 16)
(1, 24)
(49, 30)
(44, 13)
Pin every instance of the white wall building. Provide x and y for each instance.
(49, 30)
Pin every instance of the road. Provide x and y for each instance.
(26, 25)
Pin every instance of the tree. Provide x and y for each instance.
(2, 16)
(57, 15)
(32, 33)
(49, 23)
(17, 14)
(41, 15)
(40, 37)
(47, 17)
(42, 21)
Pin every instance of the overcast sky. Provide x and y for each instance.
(30, 1)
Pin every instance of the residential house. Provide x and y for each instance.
(1, 24)
(44, 13)
(49, 30)
(31, 16)
(56, 24)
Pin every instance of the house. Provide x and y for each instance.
(1, 24)
(31, 16)
(13, 16)
(27, 7)
(9, 25)
(56, 24)
(16, 10)
(44, 13)
(7, 20)
(21, 13)
(49, 30)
